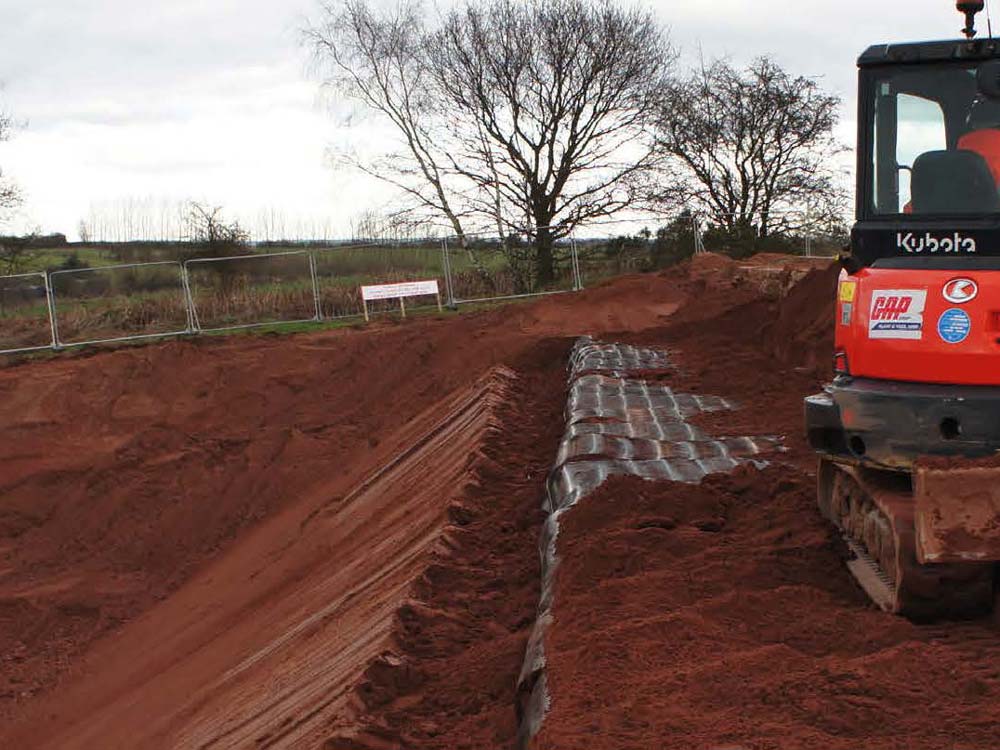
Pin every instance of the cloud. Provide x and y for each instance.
(187, 98)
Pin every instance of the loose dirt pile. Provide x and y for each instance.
(802, 332)
(720, 616)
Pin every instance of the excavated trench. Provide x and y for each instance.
(619, 422)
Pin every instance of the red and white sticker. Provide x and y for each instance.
(897, 314)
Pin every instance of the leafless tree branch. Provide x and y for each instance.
(751, 148)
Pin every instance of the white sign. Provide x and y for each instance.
(897, 314)
(398, 291)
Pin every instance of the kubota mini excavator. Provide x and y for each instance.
(917, 361)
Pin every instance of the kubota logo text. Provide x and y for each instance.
(891, 308)
(928, 243)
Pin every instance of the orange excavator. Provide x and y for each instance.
(908, 432)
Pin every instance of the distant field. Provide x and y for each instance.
(51, 259)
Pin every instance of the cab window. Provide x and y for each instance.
(921, 129)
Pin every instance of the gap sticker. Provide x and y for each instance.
(954, 326)
(897, 314)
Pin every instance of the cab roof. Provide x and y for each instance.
(922, 52)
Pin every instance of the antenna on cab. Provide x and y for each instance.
(970, 8)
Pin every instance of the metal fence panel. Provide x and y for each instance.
(25, 314)
(118, 303)
(248, 291)
(342, 271)
(803, 237)
(488, 269)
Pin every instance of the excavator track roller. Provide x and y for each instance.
(874, 512)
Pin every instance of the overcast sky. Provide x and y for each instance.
(213, 99)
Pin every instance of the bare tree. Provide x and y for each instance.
(524, 117)
(379, 60)
(550, 100)
(208, 228)
(753, 149)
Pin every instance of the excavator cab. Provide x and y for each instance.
(908, 427)
(928, 149)
(935, 141)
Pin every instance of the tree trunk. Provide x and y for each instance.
(545, 271)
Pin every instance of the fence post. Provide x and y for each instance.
(448, 282)
(193, 323)
(315, 286)
(50, 301)
(186, 294)
(699, 247)
(575, 255)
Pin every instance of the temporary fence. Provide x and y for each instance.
(118, 303)
(805, 234)
(482, 268)
(248, 291)
(134, 301)
(26, 321)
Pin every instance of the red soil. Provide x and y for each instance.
(276, 663)
(155, 507)
(720, 616)
(191, 554)
(802, 331)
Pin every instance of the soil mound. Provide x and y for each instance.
(801, 333)
(300, 629)
(711, 267)
(720, 615)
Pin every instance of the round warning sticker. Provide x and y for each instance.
(954, 326)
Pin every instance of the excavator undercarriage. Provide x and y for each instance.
(877, 513)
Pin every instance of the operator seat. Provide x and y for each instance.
(954, 182)
(986, 143)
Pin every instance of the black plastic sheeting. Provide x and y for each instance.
(619, 421)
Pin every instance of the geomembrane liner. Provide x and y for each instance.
(616, 425)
